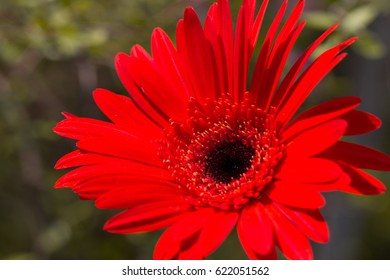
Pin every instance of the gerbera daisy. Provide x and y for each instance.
(199, 148)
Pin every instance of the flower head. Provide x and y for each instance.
(200, 148)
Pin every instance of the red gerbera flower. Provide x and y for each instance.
(200, 148)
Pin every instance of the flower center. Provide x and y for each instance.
(224, 155)
(228, 161)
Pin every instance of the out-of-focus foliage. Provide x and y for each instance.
(65, 28)
(54, 53)
(355, 17)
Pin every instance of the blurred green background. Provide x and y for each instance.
(54, 53)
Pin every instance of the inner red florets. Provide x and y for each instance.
(225, 154)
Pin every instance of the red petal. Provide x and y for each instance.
(68, 115)
(255, 230)
(137, 194)
(288, 81)
(123, 112)
(212, 32)
(361, 183)
(272, 255)
(213, 233)
(244, 42)
(196, 235)
(139, 51)
(92, 136)
(79, 158)
(279, 54)
(240, 52)
(358, 156)
(125, 74)
(317, 139)
(292, 243)
(226, 26)
(198, 57)
(149, 217)
(309, 221)
(219, 31)
(295, 195)
(336, 185)
(310, 170)
(262, 61)
(92, 181)
(276, 68)
(360, 122)
(176, 237)
(155, 89)
(168, 60)
(257, 23)
(95, 188)
(301, 89)
(112, 169)
(321, 113)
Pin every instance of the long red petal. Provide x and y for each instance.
(321, 113)
(317, 139)
(196, 235)
(308, 80)
(309, 221)
(176, 237)
(125, 74)
(361, 183)
(336, 185)
(92, 136)
(112, 168)
(139, 51)
(226, 35)
(79, 158)
(138, 194)
(93, 180)
(247, 30)
(168, 60)
(255, 230)
(360, 122)
(276, 68)
(297, 67)
(258, 79)
(310, 170)
(241, 50)
(295, 195)
(198, 56)
(149, 217)
(358, 156)
(157, 92)
(98, 187)
(272, 255)
(213, 233)
(213, 28)
(279, 54)
(123, 112)
(292, 243)
(257, 24)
